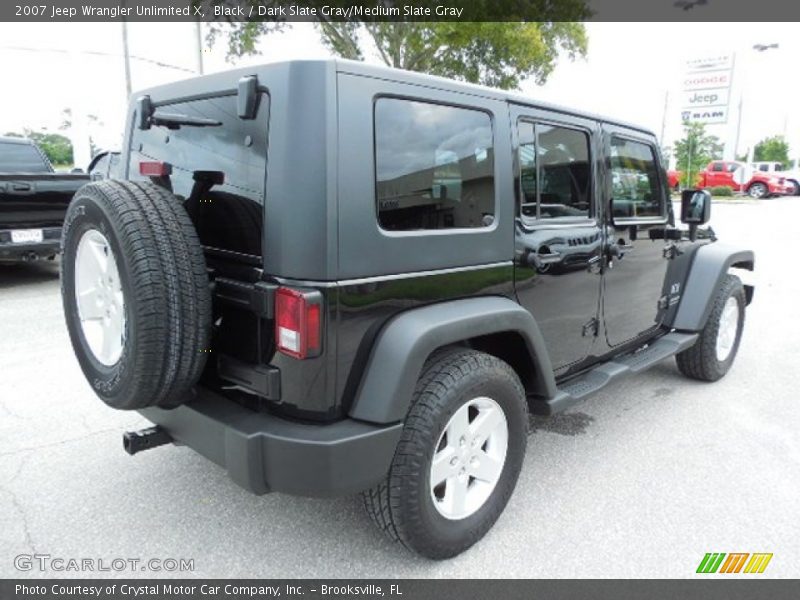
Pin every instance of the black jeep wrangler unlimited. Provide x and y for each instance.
(331, 278)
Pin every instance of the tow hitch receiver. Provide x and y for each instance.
(152, 437)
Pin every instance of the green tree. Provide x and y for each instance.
(490, 53)
(694, 151)
(772, 149)
(57, 147)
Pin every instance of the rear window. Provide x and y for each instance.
(21, 158)
(229, 216)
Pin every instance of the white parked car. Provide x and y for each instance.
(791, 175)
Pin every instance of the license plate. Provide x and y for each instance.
(26, 236)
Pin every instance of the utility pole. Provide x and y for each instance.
(664, 117)
(198, 36)
(126, 57)
(738, 125)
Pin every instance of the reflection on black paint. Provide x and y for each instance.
(557, 251)
(228, 215)
(227, 221)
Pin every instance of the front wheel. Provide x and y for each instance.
(459, 457)
(713, 354)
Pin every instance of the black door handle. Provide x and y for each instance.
(19, 188)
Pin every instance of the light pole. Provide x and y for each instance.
(758, 48)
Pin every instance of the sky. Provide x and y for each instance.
(630, 71)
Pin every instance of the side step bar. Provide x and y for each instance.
(574, 390)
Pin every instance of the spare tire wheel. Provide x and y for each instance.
(135, 293)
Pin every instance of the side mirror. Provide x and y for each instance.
(695, 207)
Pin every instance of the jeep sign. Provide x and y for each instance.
(703, 98)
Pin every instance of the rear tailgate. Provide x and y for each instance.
(36, 199)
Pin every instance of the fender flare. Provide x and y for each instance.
(709, 267)
(407, 340)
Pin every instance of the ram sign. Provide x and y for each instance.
(709, 115)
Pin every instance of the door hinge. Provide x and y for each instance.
(663, 303)
(590, 328)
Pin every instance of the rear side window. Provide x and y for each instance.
(21, 158)
(434, 166)
(228, 216)
(635, 186)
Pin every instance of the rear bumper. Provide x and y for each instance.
(50, 245)
(264, 453)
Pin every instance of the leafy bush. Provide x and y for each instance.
(721, 190)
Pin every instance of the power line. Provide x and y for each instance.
(100, 53)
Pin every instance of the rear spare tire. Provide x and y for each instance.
(135, 293)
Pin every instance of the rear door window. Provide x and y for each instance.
(555, 171)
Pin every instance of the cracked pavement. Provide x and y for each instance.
(655, 467)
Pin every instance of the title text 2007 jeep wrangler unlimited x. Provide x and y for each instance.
(331, 278)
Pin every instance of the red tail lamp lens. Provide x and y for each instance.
(298, 322)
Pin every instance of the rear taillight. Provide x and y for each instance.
(153, 168)
(298, 322)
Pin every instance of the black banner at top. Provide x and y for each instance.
(399, 10)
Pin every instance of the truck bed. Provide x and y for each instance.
(36, 199)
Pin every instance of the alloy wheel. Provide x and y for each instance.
(469, 458)
(99, 296)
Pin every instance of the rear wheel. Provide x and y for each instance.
(713, 354)
(135, 293)
(459, 457)
(758, 190)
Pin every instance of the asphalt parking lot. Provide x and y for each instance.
(640, 480)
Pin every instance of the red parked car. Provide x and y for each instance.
(673, 178)
(720, 173)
